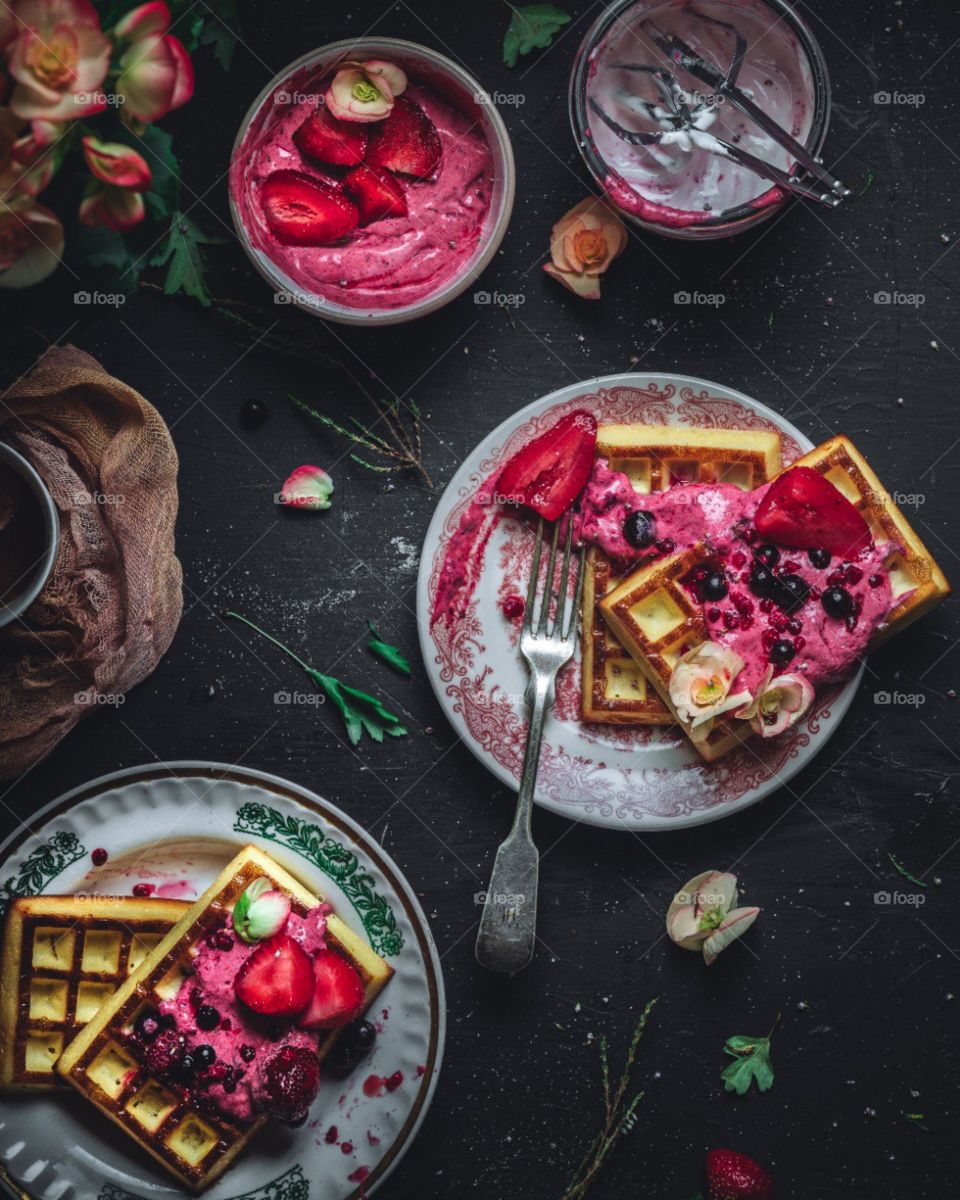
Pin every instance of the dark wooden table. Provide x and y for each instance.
(866, 992)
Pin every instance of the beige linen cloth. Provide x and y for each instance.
(114, 599)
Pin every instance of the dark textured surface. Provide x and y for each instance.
(866, 992)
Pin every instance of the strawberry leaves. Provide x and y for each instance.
(751, 1063)
(532, 27)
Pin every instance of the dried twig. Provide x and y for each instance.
(619, 1114)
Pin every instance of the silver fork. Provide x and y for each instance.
(509, 921)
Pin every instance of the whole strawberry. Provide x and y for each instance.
(733, 1176)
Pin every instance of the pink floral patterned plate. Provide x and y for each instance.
(644, 779)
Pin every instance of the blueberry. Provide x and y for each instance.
(640, 529)
(362, 1034)
(761, 581)
(768, 555)
(666, 545)
(791, 592)
(247, 1053)
(344, 1057)
(837, 602)
(714, 587)
(819, 558)
(253, 413)
(781, 651)
(205, 1056)
(207, 1017)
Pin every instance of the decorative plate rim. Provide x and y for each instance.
(307, 798)
(823, 720)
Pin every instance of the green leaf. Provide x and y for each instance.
(752, 1064)
(163, 198)
(361, 712)
(220, 33)
(390, 654)
(180, 252)
(532, 27)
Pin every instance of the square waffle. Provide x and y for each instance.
(917, 581)
(614, 690)
(63, 957)
(100, 1063)
(657, 619)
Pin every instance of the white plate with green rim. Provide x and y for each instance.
(175, 826)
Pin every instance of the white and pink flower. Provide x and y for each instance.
(703, 914)
(58, 58)
(308, 487)
(117, 208)
(31, 242)
(117, 164)
(700, 685)
(155, 72)
(778, 704)
(365, 91)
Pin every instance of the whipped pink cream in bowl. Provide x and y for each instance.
(371, 181)
(653, 135)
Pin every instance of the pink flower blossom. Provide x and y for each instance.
(156, 74)
(58, 57)
(116, 208)
(113, 162)
(31, 242)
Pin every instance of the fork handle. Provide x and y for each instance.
(508, 924)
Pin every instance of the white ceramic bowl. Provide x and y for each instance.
(468, 94)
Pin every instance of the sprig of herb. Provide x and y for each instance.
(532, 27)
(394, 434)
(390, 654)
(751, 1063)
(618, 1115)
(902, 870)
(361, 712)
(917, 1121)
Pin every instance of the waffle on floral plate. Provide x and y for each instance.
(670, 474)
(233, 978)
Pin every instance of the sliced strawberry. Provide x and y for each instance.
(329, 140)
(733, 1176)
(407, 142)
(376, 193)
(277, 979)
(338, 993)
(549, 473)
(300, 211)
(804, 510)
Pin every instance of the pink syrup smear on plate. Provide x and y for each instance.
(393, 262)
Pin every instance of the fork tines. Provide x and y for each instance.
(557, 600)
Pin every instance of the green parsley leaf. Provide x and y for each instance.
(361, 712)
(180, 252)
(751, 1064)
(532, 27)
(390, 654)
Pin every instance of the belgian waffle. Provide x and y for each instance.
(653, 457)
(658, 620)
(101, 1063)
(63, 958)
(918, 583)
